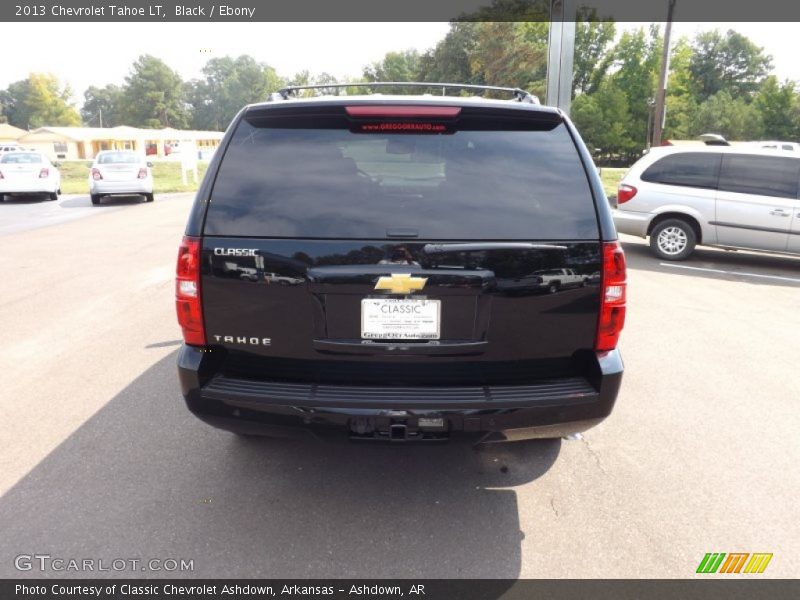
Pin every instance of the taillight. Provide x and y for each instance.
(45, 172)
(625, 192)
(96, 174)
(1, 175)
(142, 173)
(187, 292)
(612, 302)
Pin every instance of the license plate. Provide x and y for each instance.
(400, 319)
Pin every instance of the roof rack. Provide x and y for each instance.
(713, 139)
(520, 94)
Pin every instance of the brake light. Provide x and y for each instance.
(96, 174)
(142, 173)
(403, 111)
(612, 302)
(187, 292)
(45, 172)
(625, 192)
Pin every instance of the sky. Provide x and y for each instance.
(97, 54)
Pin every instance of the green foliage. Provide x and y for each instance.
(37, 101)
(730, 62)
(153, 96)
(228, 85)
(592, 40)
(101, 106)
(733, 118)
(776, 104)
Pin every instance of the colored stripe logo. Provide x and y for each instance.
(734, 562)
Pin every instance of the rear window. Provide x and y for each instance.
(21, 158)
(117, 157)
(761, 175)
(690, 169)
(480, 180)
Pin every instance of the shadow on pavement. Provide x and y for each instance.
(85, 201)
(143, 478)
(27, 199)
(740, 265)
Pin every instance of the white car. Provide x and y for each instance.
(28, 173)
(120, 173)
(11, 148)
(727, 196)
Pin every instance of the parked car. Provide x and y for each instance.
(28, 173)
(120, 173)
(11, 148)
(776, 145)
(394, 217)
(559, 279)
(726, 196)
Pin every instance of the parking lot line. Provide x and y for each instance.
(663, 264)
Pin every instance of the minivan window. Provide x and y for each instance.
(326, 181)
(762, 175)
(690, 169)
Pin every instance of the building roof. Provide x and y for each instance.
(119, 133)
(9, 132)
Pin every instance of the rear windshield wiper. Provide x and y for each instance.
(478, 246)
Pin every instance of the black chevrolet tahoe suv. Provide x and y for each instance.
(369, 266)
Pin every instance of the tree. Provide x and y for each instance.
(450, 60)
(733, 118)
(228, 85)
(731, 63)
(102, 106)
(592, 39)
(38, 101)
(775, 104)
(509, 55)
(603, 118)
(680, 102)
(637, 56)
(153, 96)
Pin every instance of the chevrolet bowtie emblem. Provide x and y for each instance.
(401, 283)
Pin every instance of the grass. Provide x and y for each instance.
(611, 178)
(166, 177)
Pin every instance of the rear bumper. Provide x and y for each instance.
(632, 223)
(547, 408)
(129, 186)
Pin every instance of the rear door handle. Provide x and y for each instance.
(779, 212)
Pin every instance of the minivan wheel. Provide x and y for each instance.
(673, 239)
(53, 196)
(95, 199)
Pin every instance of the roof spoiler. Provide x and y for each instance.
(714, 139)
(519, 94)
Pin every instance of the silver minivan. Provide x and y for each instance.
(727, 196)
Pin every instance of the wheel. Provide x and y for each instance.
(148, 197)
(95, 199)
(552, 288)
(53, 196)
(673, 239)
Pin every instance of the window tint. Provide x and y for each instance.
(762, 175)
(329, 182)
(20, 158)
(692, 169)
(117, 158)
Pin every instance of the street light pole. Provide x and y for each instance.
(661, 94)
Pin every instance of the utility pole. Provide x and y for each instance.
(661, 93)
(560, 53)
(101, 117)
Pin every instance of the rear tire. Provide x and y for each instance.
(148, 197)
(53, 196)
(553, 288)
(95, 199)
(673, 239)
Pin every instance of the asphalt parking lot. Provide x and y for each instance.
(100, 460)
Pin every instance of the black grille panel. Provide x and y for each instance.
(543, 393)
